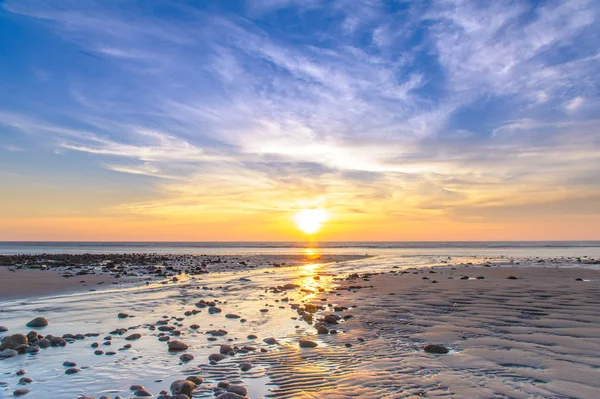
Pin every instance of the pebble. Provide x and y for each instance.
(237, 389)
(216, 357)
(133, 337)
(270, 341)
(142, 392)
(304, 343)
(225, 349)
(3, 329)
(38, 322)
(20, 392)
(437, 349)
(72, 371)
(245, 366)
(230, 395)
(195, 379)
(184, 387)
(186, 357)
(13, 341)
(176, 346)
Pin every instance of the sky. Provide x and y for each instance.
(221, 120)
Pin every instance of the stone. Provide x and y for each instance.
(225, 349)
(232, 316)
(230, 395)
(6, 353)
(270, 341)
(321, 329)
(142, 393)
(72, 371)
(133, 337)
(237, 389)
(304, 343)
(25, 380)
(13, 341)
(216, 357)
(184, 387)
(122, 315)
(437, 349)
(195, 379)
(177, 346)
(44, 343)
(38, 322)
(69, 364)
(245, 366)
(511, 278)
(33, 336)
(186, 357)
(3, 329)
(21, 392)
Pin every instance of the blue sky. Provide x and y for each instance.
(472, 118)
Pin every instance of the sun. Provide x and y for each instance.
(310, 220)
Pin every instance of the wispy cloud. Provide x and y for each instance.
(381, 107)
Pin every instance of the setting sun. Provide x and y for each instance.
(310, 220)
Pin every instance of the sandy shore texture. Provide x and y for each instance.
(348, 329)
(26, 276)
(536, 336)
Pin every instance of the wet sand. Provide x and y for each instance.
(26, 276)
(536, 336)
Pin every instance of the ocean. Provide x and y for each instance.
(404, 248)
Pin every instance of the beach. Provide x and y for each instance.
(309, 326)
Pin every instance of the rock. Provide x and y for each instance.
(21, 392)
(321, 329)
(69, 364)
(3, 329)
(578, 279)
(25, 380)
(214, 310)
(43, 343)
(33, 336)
(177, 346)
(21, 372)
(133, 337)
(304, 343)
(195, 379)
(230, 395)
(184, 387)
(464, 278)
(6, 353)
(142, 393)
(216, 357)
(38, 322)
(245, 366)
(237, 389)
(13, 341)
(270, 341)
(136, 387)
(72, 371)
(232, 316)
(511, 278)
(186, 357)
(122, 315)
(251, 336)
(225, 349)
(437, 349)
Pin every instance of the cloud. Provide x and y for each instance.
(406, 109)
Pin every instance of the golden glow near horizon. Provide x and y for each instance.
(310, 220)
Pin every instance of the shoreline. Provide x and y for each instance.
(327, 330)
(31, 276)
